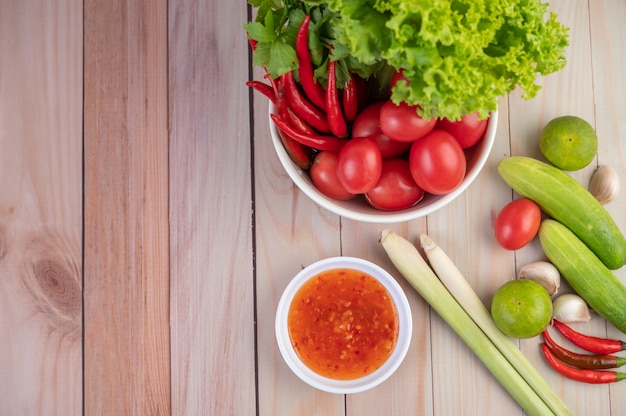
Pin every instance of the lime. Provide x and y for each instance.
(568, 142)
(521, 308)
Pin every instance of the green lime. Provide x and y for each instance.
(521, 308)
(568, 142)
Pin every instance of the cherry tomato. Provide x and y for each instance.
(396, 188)
(437, 162)
(359, 165)
(467, 131)
(517, 223)
(324, 176)
(367, 124)
(402, 123)
(397, 76)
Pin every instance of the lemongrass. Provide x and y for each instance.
(413, 267)
(569, 308)
(461, 290)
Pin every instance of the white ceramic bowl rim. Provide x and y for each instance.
(359, 210)
(344, 386)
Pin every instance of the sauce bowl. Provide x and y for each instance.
(354, 385)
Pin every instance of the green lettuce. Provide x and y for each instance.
(459, 56)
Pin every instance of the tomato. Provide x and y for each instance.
(396, 188)
(402, 123)
(467, 131)
(324, 176)
(398, 76)
(517, 223)
(437, 162)
(359, 165)
(367, 124)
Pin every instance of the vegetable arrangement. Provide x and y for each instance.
(449, 294)
(581, 239)
(423, 76)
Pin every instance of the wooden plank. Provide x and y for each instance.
(40, 208)
(608, 59)
(212, 268)
(126, 281)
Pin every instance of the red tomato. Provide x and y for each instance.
(367, 124)
(437, 162)
(402, 123)
(467, 131)
(398, 76)
(324, 176)
(396, 188)
(517, 223)
(359, 165)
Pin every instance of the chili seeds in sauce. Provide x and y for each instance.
(343, 324)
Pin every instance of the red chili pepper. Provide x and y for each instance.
(300, 154)
(313, 89)
(578, 374)
(264, 89)
(314, 141)
(589, 343)
(334, 112)
(298, 123)
(592, 362)
(274, 83)
(303, 108)
(350, 99)
(252, 43)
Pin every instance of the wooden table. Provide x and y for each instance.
(147, 228)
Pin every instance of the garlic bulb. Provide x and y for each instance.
(544, 273)
(604, 184)
(570, 307)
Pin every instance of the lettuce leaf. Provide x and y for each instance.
(459, 56)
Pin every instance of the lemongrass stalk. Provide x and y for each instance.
(413, 267)
(465, 295)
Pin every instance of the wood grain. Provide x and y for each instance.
(212, 259)
(147, 229)
(40, 208)
(126, 235)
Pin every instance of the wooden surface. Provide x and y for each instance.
(147, 229)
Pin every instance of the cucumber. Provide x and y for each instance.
(584, 272)
(564, 199)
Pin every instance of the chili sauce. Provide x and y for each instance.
(343, 324)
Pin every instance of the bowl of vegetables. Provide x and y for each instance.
(396, 196)
(388, 112)
(343, 325)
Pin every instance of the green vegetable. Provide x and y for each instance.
(564, 199)
(465, 295)
(460, 56)
(415, 270)
(585, 273)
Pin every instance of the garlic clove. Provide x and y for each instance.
(569, 308)
(604, 184)
(544, 273)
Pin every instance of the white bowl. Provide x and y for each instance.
(405, 327)
(358, 209)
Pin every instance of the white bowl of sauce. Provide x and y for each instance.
(343, 325)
